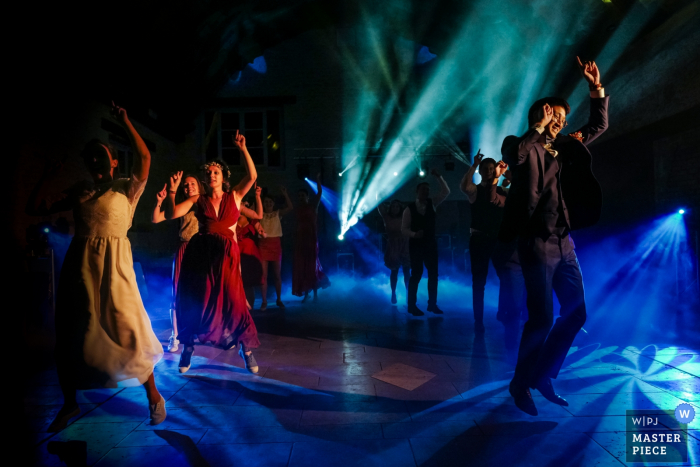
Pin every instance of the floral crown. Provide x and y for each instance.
(224, 170)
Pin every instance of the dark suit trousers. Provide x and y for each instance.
(511, 294)
(481, 248)
(548, 265)
(423, 252)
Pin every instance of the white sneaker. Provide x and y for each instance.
(173, 344)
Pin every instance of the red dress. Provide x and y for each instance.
(211, 301)
(251, 261)
(307, 272)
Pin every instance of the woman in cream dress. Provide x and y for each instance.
(103, 334)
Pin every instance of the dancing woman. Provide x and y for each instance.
(308, 274)
(247, 230)
(189, 226)
(271, 245)
(396, 255)
(103, 334)
(211, 302)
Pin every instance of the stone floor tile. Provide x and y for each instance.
(355, 412)
(192, 418)
(430, 429)
(351, 453)
(93, 440)
(203, 398)
(158, 437)
(535, 449)
(618, 403)
(279, 434)
(124, 407)
(430, 391)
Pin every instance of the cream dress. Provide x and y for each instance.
(103, 334)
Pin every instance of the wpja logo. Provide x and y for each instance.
(658, 436)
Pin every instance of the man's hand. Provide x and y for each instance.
(239, 141)
(545, 115)
(419, 234)
(283, 189)
(258, 191)
(477, 159)
(501, 169)
(160, 196)
(589, 71)
(175, 181)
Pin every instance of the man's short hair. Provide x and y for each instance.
(532, 116)
(421, 184)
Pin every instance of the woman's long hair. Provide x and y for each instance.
(394, 203)
(181, 190)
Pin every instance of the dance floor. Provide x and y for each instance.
(350, 381)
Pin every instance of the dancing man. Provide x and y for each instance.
(487, 200)
(418, 224)
(103, 334)
(210, 301)
(553, 192)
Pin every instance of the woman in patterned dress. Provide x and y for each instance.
(191, 186)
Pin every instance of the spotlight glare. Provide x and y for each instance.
(396, 174)
(46, 229)
(341, 237)
(681, 211)
(422, 174)
(340, 174)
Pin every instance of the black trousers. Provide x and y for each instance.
(481, 247)
(423, 252)
(548, 266)
(511, 293)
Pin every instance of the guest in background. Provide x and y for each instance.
(487, 200)
(271, 245)
(308, 274)
(396, 255)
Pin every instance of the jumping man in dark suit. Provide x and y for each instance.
(553, 192)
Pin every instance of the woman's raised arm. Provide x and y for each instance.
(247, 182)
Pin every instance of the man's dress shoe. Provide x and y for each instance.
(547, 390)
(523, 398)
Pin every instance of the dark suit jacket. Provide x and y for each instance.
(580, 190)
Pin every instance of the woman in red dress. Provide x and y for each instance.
(307, 273)
(211, 302)
(247, 231)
